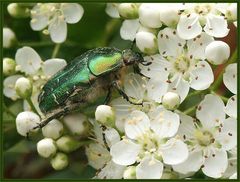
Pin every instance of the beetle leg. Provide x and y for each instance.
(108, 96)
(122, 93)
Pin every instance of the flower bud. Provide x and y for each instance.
(60, 161)
(9, 66)
(146, 42)
(26, 121)
(9, 38)
(23, 87)
(169, 16)
(128, 10)
(67, 144)
(18, 11)
(217, 52)
(171, 100)
(149, 15)
(77, 123)
(231, 12)
(46, 147)
(54, 129)
(105, 115)
(130, 173)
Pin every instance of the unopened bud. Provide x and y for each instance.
(146, 42)
(171, 100)
(9, 66)
(60, 161)
(23, 87)
(67, 144)
(9, 38)
(128, 10)
(54, 129)
(105, 115)
(18, 11)
(46, 147)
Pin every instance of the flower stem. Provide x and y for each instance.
(219, 80)
(56, 50)
(190, 110)
(29, 100)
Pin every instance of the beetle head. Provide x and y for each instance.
(131, 57)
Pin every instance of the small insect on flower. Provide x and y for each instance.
(87, 82)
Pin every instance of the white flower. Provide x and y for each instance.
(148, 143)
(130, 173)
(9, 38)
(178, 68)
(46, 147)
(9, 86)
(149, 15)
(9, 66)
(23, 87)
(55, 16)
(105, 115)
(230, 81)
(59, 161)
(26, 121)
(197, 15)
(129, 29)
(217, 52)
(209, 139)
(77, 123)
(54, 129)
(229, 10)
(112, 10)
(232, 164)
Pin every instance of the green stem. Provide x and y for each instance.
(35, 44)
(190, 110)
(225, 99)
(29, 100)
(56, 50)
(219, 80)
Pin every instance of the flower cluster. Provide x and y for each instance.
(161, 136)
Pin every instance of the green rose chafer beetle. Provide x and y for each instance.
(86, 81)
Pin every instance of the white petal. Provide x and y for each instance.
(164, 123)
(136, 124)
(228, 135)
(216, 26)
(169, 43)
(149, 168)
(186, 128)
(196, 46)
(156, 89)
(72, 12)
(111, 171)
(58, 30)
(230, 77)
(9, 86)
(210, 111)
(135, 86)
(52, 66)
(188, 26)
(174, 152)
(201, 77)
(169, 14)
(124, 152)
(40, 18)
(180, 87)
(129, 29)
(122, 110)
(111, 136)
(112, 10)
(192, 164)
(216, 164)
(28, 59)
(231, 107)
(149, 15)
(157, 69)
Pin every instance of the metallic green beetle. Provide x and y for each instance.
(85, 82)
